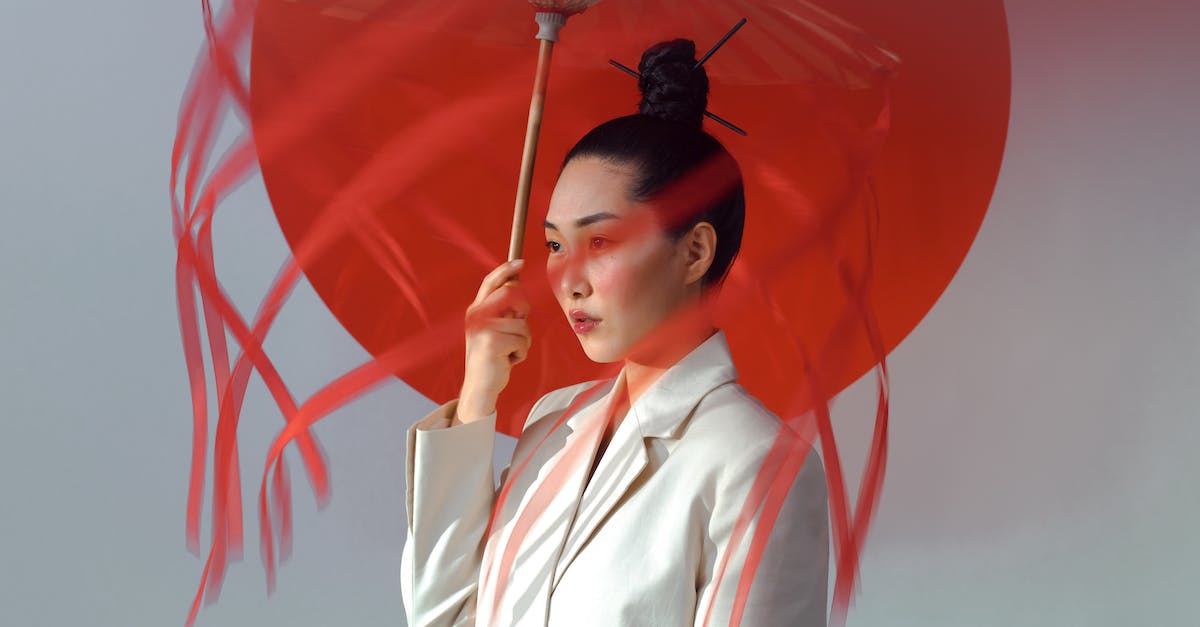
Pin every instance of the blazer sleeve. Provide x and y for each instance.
(791, 582)
(449, 492)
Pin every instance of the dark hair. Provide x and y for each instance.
(665, 141)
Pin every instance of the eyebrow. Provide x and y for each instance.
(586, 220)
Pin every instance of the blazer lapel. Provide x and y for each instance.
(660, 412)
(527, 591)
(621, 464)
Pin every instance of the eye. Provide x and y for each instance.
(552, 246)
(600, 242)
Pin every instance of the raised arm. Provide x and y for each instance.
(448, 475)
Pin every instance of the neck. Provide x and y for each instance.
(665, 345)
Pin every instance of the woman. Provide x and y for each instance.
(624, 493)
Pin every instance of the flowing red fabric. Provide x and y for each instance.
(387, 135)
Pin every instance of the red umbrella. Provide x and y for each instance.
(388, 139)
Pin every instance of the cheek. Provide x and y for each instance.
(611, 279)
(554, 277)
(635, 281)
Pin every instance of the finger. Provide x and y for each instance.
(498, 277)
(505, 335)
(507, 326)
(506, 298)
(512, 300)
(505, 344)
(520, 306)
(519, 355)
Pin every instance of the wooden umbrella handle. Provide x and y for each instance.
(525, 180)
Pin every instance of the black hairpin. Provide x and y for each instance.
(717, 46)
(712, 116)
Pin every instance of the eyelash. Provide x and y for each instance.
(550, 245)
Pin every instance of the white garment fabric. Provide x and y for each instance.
(637, 544)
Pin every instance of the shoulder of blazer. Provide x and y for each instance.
(727, 441)
(555, 401)
(730, 427)
(733, 419)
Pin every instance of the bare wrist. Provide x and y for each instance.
(472, 407)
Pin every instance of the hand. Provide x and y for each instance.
(498, 338)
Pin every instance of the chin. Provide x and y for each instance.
(599, 351)
(600, 356)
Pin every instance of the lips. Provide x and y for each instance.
(579, 315)
(582, 321)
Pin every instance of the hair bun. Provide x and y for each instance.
(672, 87)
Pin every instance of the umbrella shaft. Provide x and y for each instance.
(525, 181)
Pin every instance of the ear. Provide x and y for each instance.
(698, 247)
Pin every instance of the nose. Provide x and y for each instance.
(573, 279)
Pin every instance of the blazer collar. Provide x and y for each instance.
(663, 408)
(668, 402)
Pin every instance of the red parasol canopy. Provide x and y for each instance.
(440, 213)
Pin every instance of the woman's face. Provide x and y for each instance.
(609, 261)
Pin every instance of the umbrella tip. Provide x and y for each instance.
(566, 8)
(552, 15)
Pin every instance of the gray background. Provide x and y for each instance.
(1043, 464)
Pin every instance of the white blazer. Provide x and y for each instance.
(635, 545)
